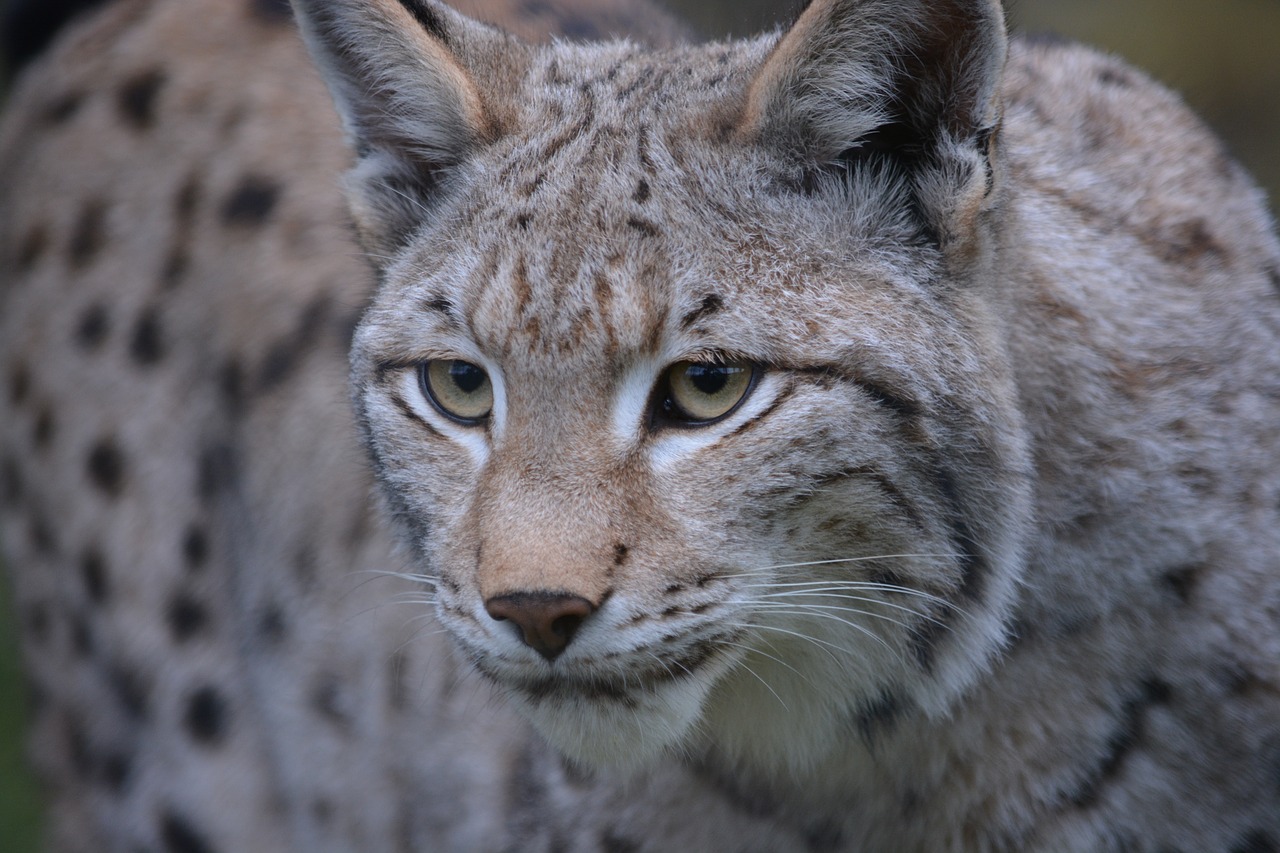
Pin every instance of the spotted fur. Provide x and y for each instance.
(985, 559)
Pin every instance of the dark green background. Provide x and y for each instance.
(1223, 56)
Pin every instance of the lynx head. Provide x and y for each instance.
(683, 378)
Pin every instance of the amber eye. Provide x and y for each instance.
(702, 392)
(458, 389)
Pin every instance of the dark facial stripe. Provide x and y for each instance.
(882, 480)
(893, 399)
(783, 396)
(408, 412)
(878, 716)
(972, 564)
(1125, 738)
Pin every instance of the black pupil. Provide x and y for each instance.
(467, 377)
(710, 379)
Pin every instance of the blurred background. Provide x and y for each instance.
(1224, 57)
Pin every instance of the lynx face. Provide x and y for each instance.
(682, 377)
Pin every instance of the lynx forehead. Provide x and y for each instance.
(860, 437)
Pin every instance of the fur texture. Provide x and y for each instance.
(984, 558)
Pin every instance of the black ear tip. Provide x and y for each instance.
(428, 17)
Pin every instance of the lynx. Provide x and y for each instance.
(861, 437)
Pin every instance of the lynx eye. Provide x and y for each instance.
(459, 389)
(703, 392)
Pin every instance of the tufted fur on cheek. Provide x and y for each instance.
(861, 88)
(412, 82)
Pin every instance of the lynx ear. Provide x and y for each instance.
(911, 83)
(403, 74)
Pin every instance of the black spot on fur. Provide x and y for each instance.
(619, 554)
(285, 355)
(78, 749)
(215, 471)
(130, 691)
(280, 361)
(32, 248)
(645, 227)
(251, 202)
(41, 535)
(186, 617)
(89, 234)
(45, 427)
(1182, 581)
(19, 384)
(179, 836)
(751, 802)
(35, 621)
(195, 548)
(207, 716)
(824, 837)
(642, 193)
(271, 11)
(106, 467)
(427, 18)
(305, 564)
(1191, 241)
(877, 716)
(175, 266)
(63, 109)
(137, 98)
(1126, 737)
(115, 772)
(82, 639)
(1256, 841)
(186, 199)
(231, 384)
(326, 698)
(1273, 274)
(93, 571)
(271, 627)
(10, 483)
(147, 344)
(93, 326)
(1115, 77)
(612, 842)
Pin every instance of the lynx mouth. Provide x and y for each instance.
(624, 719)
(613, 680)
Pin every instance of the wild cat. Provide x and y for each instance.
(861, 437)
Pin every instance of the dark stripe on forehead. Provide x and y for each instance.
(711, 303)
(443, 307)
(427, 19)
(394, 365)
(970, 560)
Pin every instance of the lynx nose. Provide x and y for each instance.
(547, 620)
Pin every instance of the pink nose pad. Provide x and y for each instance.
(547, 620)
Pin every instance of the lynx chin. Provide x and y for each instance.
(863, 437)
